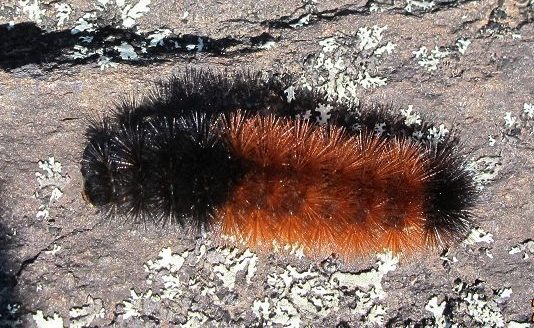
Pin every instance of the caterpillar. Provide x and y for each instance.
(239, 155)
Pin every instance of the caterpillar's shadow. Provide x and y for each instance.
(9, 303)
(26, 43)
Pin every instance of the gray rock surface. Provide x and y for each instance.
(467, 64)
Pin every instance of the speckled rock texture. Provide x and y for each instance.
(463, 64)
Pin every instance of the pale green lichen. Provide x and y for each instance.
(484, 169)
(430, 60)
(370, 38)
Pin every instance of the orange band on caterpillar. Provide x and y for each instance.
(231, 154)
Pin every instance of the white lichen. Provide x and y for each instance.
(84, 315)
(132, 12)
(339, 74)
(524, 247)
(55, 321)
(32, 9)
(528, 110)
(379, 128)
(485, 169)
(105, 62)
(329, 44)
(411, 117)
(301, 22)
(491, 140)
(481, 311)
(388, 49)
(267, 45)
(199, 46)
(50, 184)
(422, 5)
(517, 324)
(290, 93)
(158, 37)
(462, 45)
(324, 113)
(478, 235)
(126, 51)
(55, 249)
(375, 316)
(63, 11)
(166, 260)
(84, 24)
(81, 52)
(195, 319)
(437, 133)
(311, 293)
(367, 81)
(510, 121)
(504, 292)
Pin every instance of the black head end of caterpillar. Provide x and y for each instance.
(146, 166)
(96, 166)
(451, 194)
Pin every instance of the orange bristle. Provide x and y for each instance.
(321, 189)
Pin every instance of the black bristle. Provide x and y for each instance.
(158, 168)
(96, 165)
(451, 193)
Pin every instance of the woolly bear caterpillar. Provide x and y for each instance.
(233, 154)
